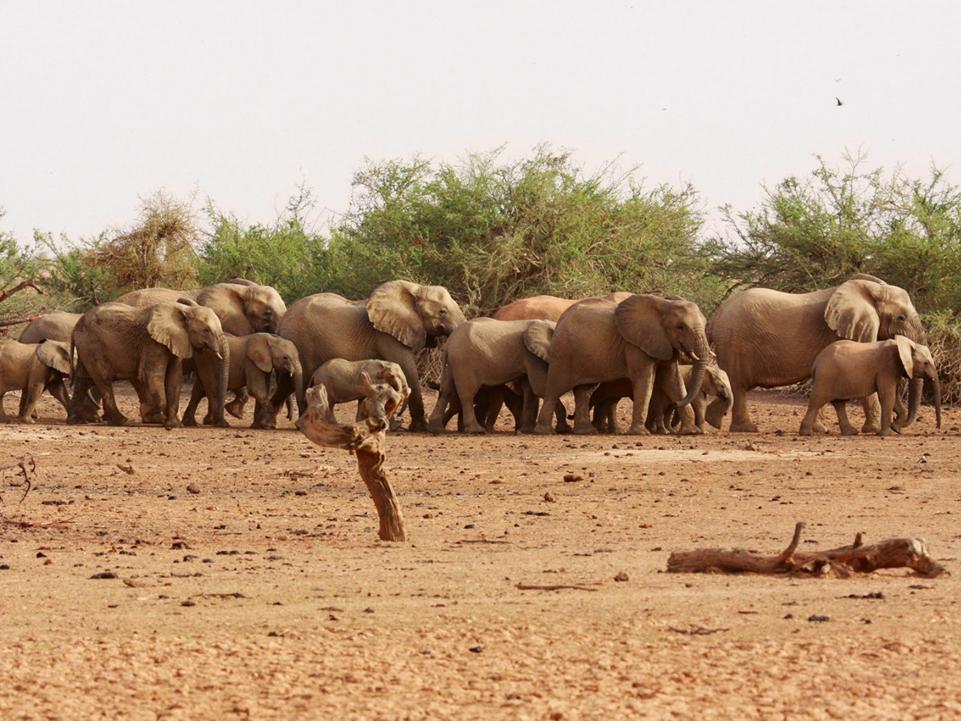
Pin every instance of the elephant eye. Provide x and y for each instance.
(443, 311)
(268, 312)
(902, 318)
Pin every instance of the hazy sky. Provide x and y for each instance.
(104, 102)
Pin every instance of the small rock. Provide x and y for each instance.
(41, 554)
(572, 478)
(129, 470)
(104, 575)
(188, 602)
(476, 649)
(549, 497)
(193, 488)
(622, 577)
(815, 618)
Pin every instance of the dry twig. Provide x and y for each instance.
(553, 587)
(26, 466)
(839, 562)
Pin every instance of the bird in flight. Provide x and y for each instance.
(836, 98)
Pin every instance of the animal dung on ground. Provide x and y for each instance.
(366, 441)
(840, 562)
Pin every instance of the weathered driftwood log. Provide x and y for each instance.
(839, 562)
(366, 441)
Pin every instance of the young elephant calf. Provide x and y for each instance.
(253, 358)
(848, 370)
(32, 368)
(345, 381)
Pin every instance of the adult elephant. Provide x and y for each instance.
(545, 307)
(144, 346)
(765, 338)
(599, 340)
(241, 306)
(394, 323)
(56, 325)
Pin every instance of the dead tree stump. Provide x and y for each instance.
(838, 562)
(367, 441)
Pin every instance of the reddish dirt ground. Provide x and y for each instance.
(265, 594)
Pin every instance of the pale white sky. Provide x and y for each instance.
(104, 102)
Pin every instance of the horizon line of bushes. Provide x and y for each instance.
(492, 231)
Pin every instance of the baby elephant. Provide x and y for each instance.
(345, 382)
(848, 370)
(33, 368)
(253, 358)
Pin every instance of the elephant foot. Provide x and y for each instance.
(870, 427)
(638, 429)
(805, 431)
(884, 432)
(690, 431)
(744, 427)
(543, 430)
(418, 425)
(584, 430)
(222, 423)
(118, 421)
(563, 428)
(27, 420)
(849, 431)
(172, 423)
(189, 421)
(475, 429)
(235, 408)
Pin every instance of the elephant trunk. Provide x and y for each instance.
(702, 354)
(298, 376)
(936, 388)
(914, 400)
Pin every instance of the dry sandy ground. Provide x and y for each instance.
(266, 595)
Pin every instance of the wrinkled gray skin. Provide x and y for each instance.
(395, 323)
(32, 368)
(598, 341)
(344, 381)
(765, 338)
(145, 346)
(848, 370)
(253, 360)
(489, 353)
(242, 308)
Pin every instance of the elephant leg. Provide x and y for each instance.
(847, 429)
(642, 381)
(190, 412)
(28, 400)
(58, 389)
(814, 406)
(151, 402)
(887, 397)
(173, 380)
(560, 416)
(552, 394)
(466, 393)
(415, 402)
(698, 405)
(611, 415)
(582, 409)
(3, 414)
(236, 406)
(443, 409)
(871, 412)
(111, 413)
(528, 409)
(740, 415)
(516, 403)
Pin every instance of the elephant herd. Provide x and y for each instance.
(858, 339)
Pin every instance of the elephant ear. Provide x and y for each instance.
(55, 355)
(258, 351)
(851, 311)
(167, 325)
(906, 354)
(392, 309)
(537, 338)
(638, 320)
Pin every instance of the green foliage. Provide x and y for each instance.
(284, 254)
(493, 231)
(71, 275)
(817, 233)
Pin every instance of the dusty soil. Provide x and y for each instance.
(265, 594)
